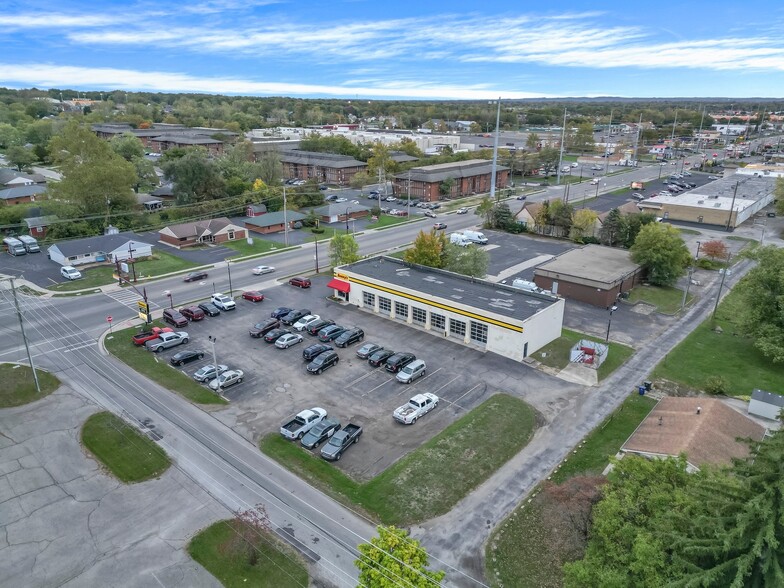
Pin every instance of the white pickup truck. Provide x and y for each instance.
(302, 423)
(419, 405)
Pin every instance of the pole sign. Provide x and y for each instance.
(109, 319)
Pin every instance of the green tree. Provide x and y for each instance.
(532, 142)
(469, 261)
(359, 180)
(612, 230)
(343, 249)
(146, 177)
(561, 214)
(485, 210)
(128, 146)
(583, 223)
(393, 559)
(380, 159)
(20, 157)
(445, 187)
(9, 136)
(632, 223)
(195, 178)
(548, 159)
(543, 218)
(582, 140)
(270, 169)
(660, 249)
(502, 217)
(427, 249)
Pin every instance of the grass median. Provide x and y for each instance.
(158, 370)
(666, 299)
(19, 385)
(130, 456)
(556, 353)
(424, 483)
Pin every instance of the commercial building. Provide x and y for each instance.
(449, 180)
(273, 222)
(101, 249)
(324, 167)
(487, 316)
(214, 230)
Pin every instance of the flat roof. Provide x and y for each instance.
(698, 201)
(592, 262)
(768, 397)
(451, 287)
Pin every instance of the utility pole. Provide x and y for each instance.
(495, 150)
(213, 341)
(24, 337)
(408, 191)
(228, 267)
(131, 260)
(285, 219)
(607, 146)
(316, 256)
(721, 285)
(732, 205)
(560, 154)
(637, 138)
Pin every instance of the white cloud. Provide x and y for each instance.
(56, 20)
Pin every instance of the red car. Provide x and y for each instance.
(193, 313)
(253, 296)
(300, 282)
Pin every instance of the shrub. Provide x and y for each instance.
(317, 230)
(716, 385)
(590, 240)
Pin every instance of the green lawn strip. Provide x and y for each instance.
(385, 221)
(129, 455)
(277, 564)
(665, 299)
(556, 353)
(158, 370)
(258, 247)
(162, 262)
(91, 278)
(423, 484)
(689, 231)
(705, 353)
(19, 385)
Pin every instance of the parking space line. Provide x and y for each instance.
(360, 378)
(445, 385)
(466, 394)
(379, 386)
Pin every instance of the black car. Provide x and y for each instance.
(280, 312)
(311, 351)
(195, 276)
(348, 337)
(322, 362)
(315, 327)
(209, 309)
(331, 333)
(274, 334)
(398, 361)
(184, 357)
(264, 327)
(293, 316)
(367, 350)
(380, 357)
(320, 433)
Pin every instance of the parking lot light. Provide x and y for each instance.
(613, 308)
(212, 341)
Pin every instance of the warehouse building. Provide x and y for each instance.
(491, 317)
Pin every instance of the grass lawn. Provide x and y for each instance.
(423, 484)
(705, 353)
(157, 369)
(557, 352)
(259, 246)
(19, 386)
(130, 456)
(665, 299)
(386, 220)
(328, 233)
(161, 263)
(91, 278)
(277, 564)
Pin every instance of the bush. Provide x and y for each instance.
(317, 230)
(591, 240)
(709, 264)
(716, 385)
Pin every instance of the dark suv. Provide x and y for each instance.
(311, 351)
(348, 337)
(314, 328)
(323, 361)
(264, 327)
(300, 282)
(330, 333)
(380, 357)
(174, 317)
(294, 316)
(398, 361)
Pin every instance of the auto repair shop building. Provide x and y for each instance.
(493, 317)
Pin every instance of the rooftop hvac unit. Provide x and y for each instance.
(700, 202)
(717, 205)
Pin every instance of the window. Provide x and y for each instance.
(368, 299)
(384, 304)
(478, 332)
(419, 315)
(231, 234)
(457, 328)
(437, 321)
(401, 310)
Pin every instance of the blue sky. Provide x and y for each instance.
(400, 49)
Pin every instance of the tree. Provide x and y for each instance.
(246, 539)
(778, 191)
(380, 159)
(582, 140)
(468, 261)
(20, 157)
(485, 210)
(612, 229)
(543, 218)
(427, 249)
(583, 223)
(632, 223)
(9, 136)
(548, 159)
(561, 216)
(269, 167)
(533, 142)
(343, 249)
(128, 146)
(660, 249)
(445, 188)
(359, 180)
(715, 249)
(195, 178)
(501, 216)
(394, 559)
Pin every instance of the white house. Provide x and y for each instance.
(105, 248)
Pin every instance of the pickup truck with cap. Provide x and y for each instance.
(142, 338)
(302, 423)
(418, 406)
(341, 441)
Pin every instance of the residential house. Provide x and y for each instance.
(101, 249)
(215, 230)
(21, 194)
(11, 178)
(324, 167)
(339, 213)
(38, 226)
(766, 404)
(449, 180)
(252, 210)
(273, 222)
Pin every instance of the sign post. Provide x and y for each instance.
(109, 320)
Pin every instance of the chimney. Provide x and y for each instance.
(699, 409)
(660, 421)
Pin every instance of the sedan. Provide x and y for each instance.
(341, 199)
(294, 316)
(287, 340)
(264, 327)
(253, 296)
(193, 313)
(320, 433)
(380, 357)
(367, 350)
(280, 312)
(305, 322)
(331, 333)
(430, 213)
(713, 177)
(208, 372)
(439, 226)
(195, 276)
(209, 309)
(315, 327)
(462, 211)
(263, 269)
(184, 357)
(227, 379)
(311, 351)
(273, 335)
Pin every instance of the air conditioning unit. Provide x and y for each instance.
(700, 202)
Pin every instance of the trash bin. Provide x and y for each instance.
(641, 390)
(648, 386)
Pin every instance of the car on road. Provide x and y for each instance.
(311, 351)
(418, 406)
(341, 441)
(430, 214)
(300, 282)
(209, 372)
(521, 197)
(142, 338)
(209, 309)
(183, 357)
(304, 322)
(380, 357)
(340, 199)
(638, 196)
(263, 269)
(413, 371)
(167, 340)
(350, 336)
(398, 361)
(713, 177)
(439, 226)
(193, 313)
(174, 317)
(287, 340)
(462, 211)
(274, 334)
(320, 433)
(295, 315)
(264, 327)
(367, 350)
(331, 333)
(253, 296)
(69, 272)
(226, 379)
(303, 422)
(195, 276)
(223, 302)
(315, 327)
(280, 312)
(323, 361)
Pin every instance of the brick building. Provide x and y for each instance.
(329, 168)
(214, 230)
(466, 177)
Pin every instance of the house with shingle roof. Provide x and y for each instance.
(21, 194)
(273, 222)
(11, 178)
(214, 230)
(103, 248)
(464, 178)
(331, 168)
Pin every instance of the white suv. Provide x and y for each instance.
(70, 272)
(223, 302)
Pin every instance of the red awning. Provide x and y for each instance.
(339, 285)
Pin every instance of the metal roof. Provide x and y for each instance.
(768, 398)
(100, 244)
(273, 218)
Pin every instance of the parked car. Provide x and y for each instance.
(320, 433)
(264, 327)
(439, 226)
(462, 211)
(226, 379)
(300, 282)
(295, 315)
(253, 296)
(304, 322)
(316, 326)
(209, 372)
(413, 371)
(367, 350)
(263, 269)
(350, 336)
(398, 361)
(193, 313)
(418, 406)
(142, 338)
(302, 423)
(287, 340)
(323, 361)
(274, 334)
(183, 357)
(380, 357)
(167, 340)
(311, 351)
(341, 441)
(174, 317)
(209, 309)
(195, 276)
(69, 272)
(331, 333)
(223, 302)
(280, 312)
(638, 197)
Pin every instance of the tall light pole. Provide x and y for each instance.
(495, 150)
(613, 308)
(607, 146)
(228, 267)
(285, 219)
(213, 341)
(724, 273)
(560, 153)
(347, 220)
(24, 337)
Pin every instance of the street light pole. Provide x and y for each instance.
(213, 341)
(721, 285)
(609, 322)
(346, 220)
(228, 267)
(316, 256)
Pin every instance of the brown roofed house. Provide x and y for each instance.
(214, 230)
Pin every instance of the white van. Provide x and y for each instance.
(595, 181)
(70, 272)
(475, 237)
(30, 244)
(459, 239)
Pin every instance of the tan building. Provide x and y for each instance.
(466, 177)
(215, 230)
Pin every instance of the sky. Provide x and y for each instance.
(397, 49)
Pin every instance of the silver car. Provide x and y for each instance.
(208, 372)
(227, 379)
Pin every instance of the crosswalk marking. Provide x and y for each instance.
(128, 298)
